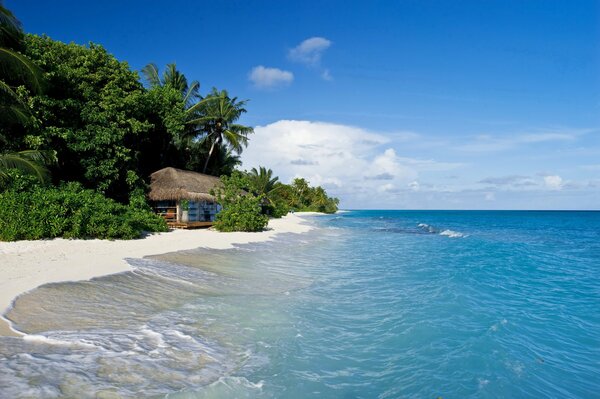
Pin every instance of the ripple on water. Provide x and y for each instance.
(371, 305)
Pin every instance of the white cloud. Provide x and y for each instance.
(553, 182)
(268, 78)
(350, 162)
(543, 181)
(385, 188)
(490, 196)
(310, 51)
(509, 181)
(489, 143)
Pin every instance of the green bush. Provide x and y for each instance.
(244, 214)
(241, 209)
(70, 211)
(278, 209)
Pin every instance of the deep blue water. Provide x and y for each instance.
(372, 304)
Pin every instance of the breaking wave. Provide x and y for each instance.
(446, 232)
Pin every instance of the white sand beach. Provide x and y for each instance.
(25, 265)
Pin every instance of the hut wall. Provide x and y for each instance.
(167, 209)
(203, 211)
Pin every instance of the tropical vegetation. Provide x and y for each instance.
(218, 114)
(30, 162)
(71, 211)
(75, 121)
(241, 209)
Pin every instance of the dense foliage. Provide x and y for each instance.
(241, 209)
(70, 211)
(107, 130)
(279, 198)
(80, 135)
(30, 162)
(300, 196)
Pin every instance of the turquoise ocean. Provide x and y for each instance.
(370, 304)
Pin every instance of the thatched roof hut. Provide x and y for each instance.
(171, 184)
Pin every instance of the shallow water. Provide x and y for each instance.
(381, 304)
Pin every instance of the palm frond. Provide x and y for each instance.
(191, 94)
(12, 109)
(17, 67)
(241, 129)
(235, 142)
(14, 114)
(30, 162)
(172, 77)
(151, 75)
(7, 91)
(11, 31)
(45, 157)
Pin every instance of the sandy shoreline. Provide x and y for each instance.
(25, 265)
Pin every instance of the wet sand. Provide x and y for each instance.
(25, 265)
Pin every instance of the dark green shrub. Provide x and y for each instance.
(18, 181)
(279, 209)
(70, 211)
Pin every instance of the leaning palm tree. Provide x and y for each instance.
(217, 114)
(30, 162)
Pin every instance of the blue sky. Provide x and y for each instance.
(388, 104)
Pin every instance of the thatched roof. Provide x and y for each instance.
(176, 184)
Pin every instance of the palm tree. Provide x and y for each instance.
(30, 162)
(15, 70)
(188, 147)
(263, 182)
(225, 162)
(217, 114)
(173, 78)
(11, 32)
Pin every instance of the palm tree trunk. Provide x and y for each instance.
(212, 147)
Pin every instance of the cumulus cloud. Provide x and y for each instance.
(350, 162)
(269, 78)
(310, 51)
